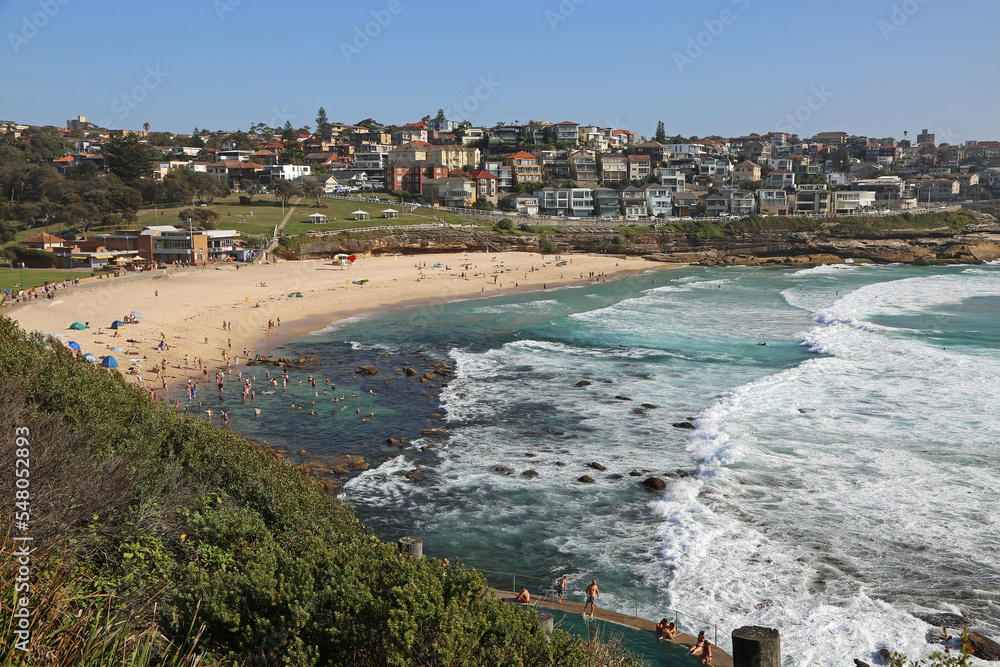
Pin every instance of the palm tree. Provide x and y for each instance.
(145, 126)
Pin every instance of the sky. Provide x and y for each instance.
(726, 67)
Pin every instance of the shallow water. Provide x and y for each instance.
(839, 479)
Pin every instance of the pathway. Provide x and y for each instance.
(719, 657)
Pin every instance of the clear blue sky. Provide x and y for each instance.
(729, 67)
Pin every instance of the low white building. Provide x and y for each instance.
(290, 172)
(848, 201)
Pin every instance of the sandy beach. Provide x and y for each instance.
(186, 308)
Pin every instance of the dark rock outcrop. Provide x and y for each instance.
(596, 466)
(504, 469)
(367, 370)
(583, 383)
(984, 648)
(586, 479)
(654, 484)
(530, 473)
(683, 425)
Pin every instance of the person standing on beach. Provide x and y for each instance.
(593, 593)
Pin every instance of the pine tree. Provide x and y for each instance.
(661, 133)
(322, 122)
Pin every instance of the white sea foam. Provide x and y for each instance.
(827, 269)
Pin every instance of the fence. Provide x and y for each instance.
(693, 625)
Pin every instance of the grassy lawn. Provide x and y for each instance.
(37, 277)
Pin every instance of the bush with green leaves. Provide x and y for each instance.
(506, 224)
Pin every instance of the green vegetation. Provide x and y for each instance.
(178, 532)
(846, 226)
(37, 277)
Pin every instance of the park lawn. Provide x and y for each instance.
(37, 277)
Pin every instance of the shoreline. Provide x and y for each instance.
(181, 306)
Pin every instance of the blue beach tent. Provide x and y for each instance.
(109, 362)
(90, 357)
(117, 324)
(73, 345)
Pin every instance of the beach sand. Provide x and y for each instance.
(189, 306)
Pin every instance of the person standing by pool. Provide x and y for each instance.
(561, 588)
(593, 593)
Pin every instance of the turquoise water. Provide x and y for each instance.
(839, 479)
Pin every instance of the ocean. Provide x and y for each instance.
(838, 477)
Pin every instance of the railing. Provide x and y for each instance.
(552, 592)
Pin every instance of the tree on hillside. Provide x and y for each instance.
(251, 187)
(198, 216)
(440, 116)
(284, 190)
(7, 232)
(288, 134)
(661, 133)
(313, 190)
(127, 158)
(322, 123)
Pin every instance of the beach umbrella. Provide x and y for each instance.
(109, 362)
(117, 324)
(89, 357)
(135, 314)
(77, 326)
(73, 345)
(117, 349)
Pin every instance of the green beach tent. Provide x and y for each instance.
(77, 326)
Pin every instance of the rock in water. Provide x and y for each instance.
(984, 648)
(597, 466)
(503, 469)
(683, 425)
(366, 370)
(947, 620)
(583, 383)
(623, 398)
(530, 473)
(586, 479)
(861, 663)
(654, 484)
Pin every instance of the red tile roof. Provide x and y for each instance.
(481, 173)
(567, 122)
(522, 155)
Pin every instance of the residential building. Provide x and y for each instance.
(813, 200)
(43, 240)
(583, 167)
(614, 168)
(453, 191)
(565, 132)
(486, 184)
(474, 136)
(837, 138)
(576, 202)
(504, 135)
(633, 202)
(503, 172)
(79, 123)
(442, 125)
(289, 172)
(713, 206)
(741, 202)
(747, 171)
(555, 164)
(526, 204)
(670, 178)
(606, 203)
(656, 151)
(849, 201)
(773, 202)
(526, 168)
(925, 137)
(685, 204)
(780, 178)
(409, 175)
(232, 172)
(593, 138)
(411, 150)
(639, 167)
(716, 169)
(659, 203)
(453, 156)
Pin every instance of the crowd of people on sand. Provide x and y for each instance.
(665, 629)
